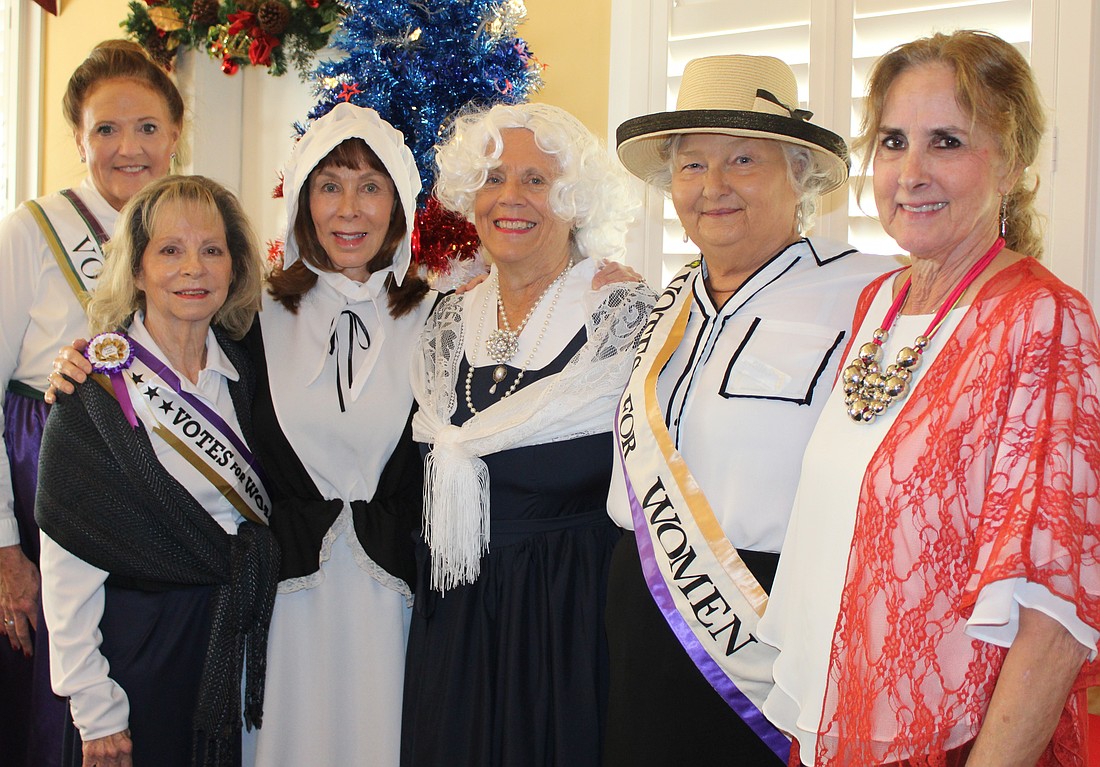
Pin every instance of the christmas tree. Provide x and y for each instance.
(418, 64)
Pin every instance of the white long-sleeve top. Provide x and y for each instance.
(743, 389)
(343, 451)
(73, 591)
(38, 311)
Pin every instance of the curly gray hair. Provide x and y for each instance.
(592, 192)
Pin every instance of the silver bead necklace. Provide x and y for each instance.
(869, 388)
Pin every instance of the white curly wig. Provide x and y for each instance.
(592, 192)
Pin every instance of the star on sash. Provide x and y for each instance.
(166, 406)
(151, 393)
(137, 379)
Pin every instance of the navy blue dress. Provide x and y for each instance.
(156, 644)
(512, 670)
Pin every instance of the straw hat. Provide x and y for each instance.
(753, 96)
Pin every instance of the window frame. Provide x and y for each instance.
(21, 102)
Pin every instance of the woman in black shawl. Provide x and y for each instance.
(158, 568)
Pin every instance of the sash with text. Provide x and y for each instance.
(702, 587)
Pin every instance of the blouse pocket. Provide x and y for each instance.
(780, 360)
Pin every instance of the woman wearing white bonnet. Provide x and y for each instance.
(332, 348)
(338, 327)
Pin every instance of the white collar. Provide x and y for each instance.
(216, 368)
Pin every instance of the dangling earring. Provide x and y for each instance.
(172, 157)
(1004, 214)
(83, 159)
(685, 236)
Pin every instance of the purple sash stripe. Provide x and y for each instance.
(173, 381)
(90, 220)
(722, 684)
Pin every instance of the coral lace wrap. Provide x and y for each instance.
(990, 472)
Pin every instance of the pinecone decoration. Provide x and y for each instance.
(204, 12)
(273, 17)
(158, 50)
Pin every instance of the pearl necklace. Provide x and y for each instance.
(502, 345)
(869, 390)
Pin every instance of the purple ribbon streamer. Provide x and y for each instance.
(173, 381)
(122, 394)
(772, 737)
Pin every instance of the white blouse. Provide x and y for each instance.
(556, 327)
(344, 451)
(746, 383)
(38, 312)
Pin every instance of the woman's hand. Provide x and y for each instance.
(111, 751)
(611, 272)
(19, 589)
(1032, 688)
(471, 284)
(68, 364)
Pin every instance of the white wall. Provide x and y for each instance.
(242, 131)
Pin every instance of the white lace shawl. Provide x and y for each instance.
(578, 401)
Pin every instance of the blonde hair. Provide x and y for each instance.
(995, 87)
(117, 296)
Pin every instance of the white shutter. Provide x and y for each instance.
(714, 27)
(878, 26)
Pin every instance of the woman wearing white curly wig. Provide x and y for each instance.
(516, 383)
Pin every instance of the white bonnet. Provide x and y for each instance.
(343, 122)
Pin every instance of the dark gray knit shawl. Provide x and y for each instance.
(104, 497)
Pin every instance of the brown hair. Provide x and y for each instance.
(117, 296)
(114, 59)
(288, 285)
(995, 87)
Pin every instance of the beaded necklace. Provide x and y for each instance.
(502, 344)
(869, 390)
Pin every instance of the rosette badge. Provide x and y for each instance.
(109, 352)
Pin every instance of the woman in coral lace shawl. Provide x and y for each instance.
(938, 598)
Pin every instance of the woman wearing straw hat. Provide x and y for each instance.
(729, 379)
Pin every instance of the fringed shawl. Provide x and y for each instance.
(104, 497)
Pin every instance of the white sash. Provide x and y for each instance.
(706, 593)
(75, 241)
(200, 435)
